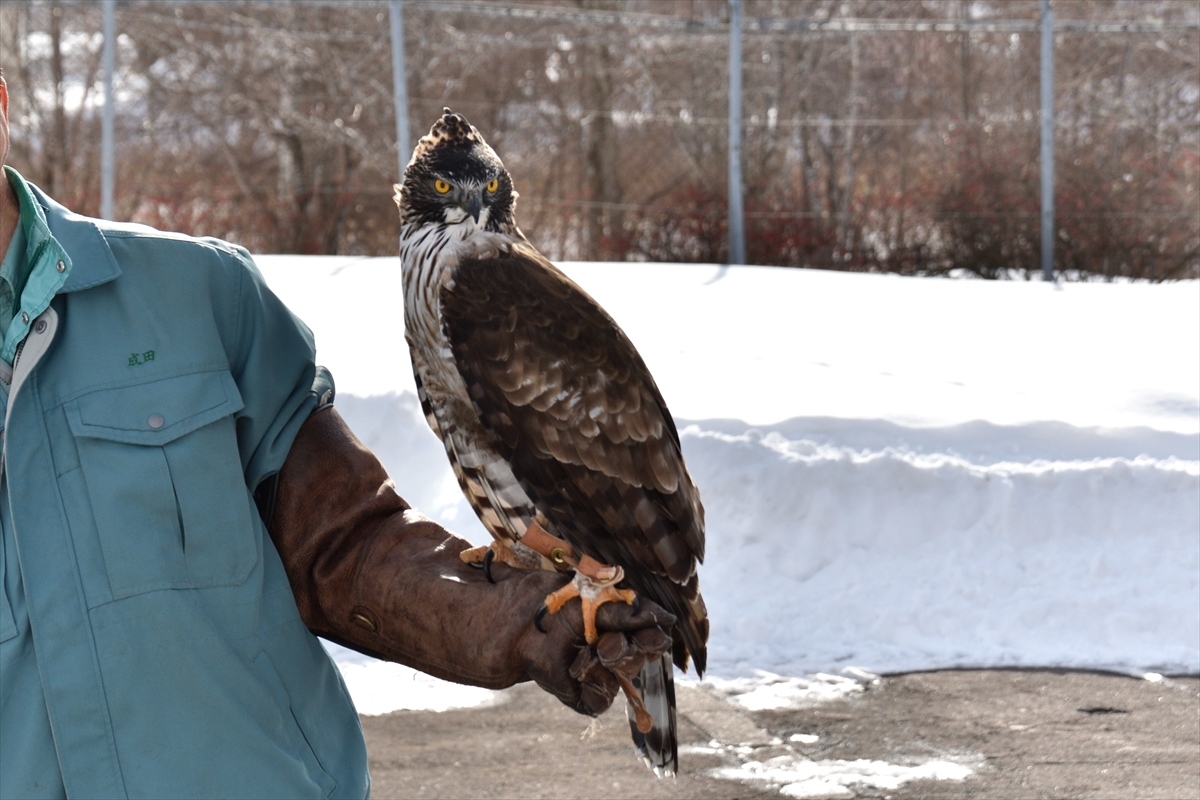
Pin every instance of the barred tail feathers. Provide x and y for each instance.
(658, 747)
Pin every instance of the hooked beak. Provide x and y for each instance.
(473, 206)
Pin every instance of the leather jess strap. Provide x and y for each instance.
(560, 552)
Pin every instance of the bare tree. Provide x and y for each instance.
(272, 124)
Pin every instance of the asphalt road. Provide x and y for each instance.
(1019, 734)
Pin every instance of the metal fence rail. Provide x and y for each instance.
(898, 136)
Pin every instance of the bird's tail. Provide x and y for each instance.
(658, 747)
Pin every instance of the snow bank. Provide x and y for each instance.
(899, 474)
(825, 553)
(834, 543)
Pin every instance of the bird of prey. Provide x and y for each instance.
(555, 429)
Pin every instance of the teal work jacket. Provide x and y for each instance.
(150, 645)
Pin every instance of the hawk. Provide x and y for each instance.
(555, 429)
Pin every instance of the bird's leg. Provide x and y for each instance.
(594, 583)
(555, 550)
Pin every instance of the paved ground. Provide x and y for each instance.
(1020, 733)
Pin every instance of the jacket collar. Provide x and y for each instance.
(92, 260)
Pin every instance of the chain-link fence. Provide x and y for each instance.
(895, 135)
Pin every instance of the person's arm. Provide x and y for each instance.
(371, 573)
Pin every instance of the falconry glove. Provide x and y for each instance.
(370, 573)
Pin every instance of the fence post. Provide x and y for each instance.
(399, 85)
(737, 233)
(1047, 80)
(106, 119)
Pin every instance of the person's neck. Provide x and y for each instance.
(10, 214)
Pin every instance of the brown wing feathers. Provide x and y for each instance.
(572, 406)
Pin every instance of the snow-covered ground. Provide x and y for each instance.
(899, 473)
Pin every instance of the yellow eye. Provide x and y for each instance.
(440, 186)
(493, 185)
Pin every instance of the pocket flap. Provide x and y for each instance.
(157, 412)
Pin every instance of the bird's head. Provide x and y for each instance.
(455, 178)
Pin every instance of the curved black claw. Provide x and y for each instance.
(488, 558)
(637, 604)
(539, 615)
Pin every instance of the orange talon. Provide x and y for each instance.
(560, 597)
(592, 595)
(502, 552)
(592, 600)
(473, 555)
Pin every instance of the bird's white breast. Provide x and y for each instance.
(429, 255)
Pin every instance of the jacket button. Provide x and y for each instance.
(60, 266)
(155, 421)
(39, 326)
(24, 317)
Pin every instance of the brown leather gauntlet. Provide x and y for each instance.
(372, 574)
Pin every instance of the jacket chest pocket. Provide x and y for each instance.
(164, 483)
